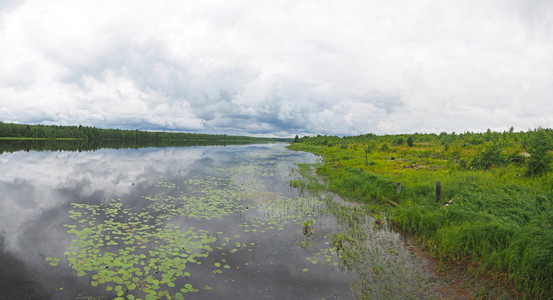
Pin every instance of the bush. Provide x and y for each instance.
(410, 141)
(490, 157)
(539, 161)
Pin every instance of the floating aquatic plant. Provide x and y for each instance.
(146, 253)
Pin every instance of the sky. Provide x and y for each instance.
(279, 68)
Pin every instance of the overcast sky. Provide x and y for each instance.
(278, 68)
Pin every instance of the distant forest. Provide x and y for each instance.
(505, 138)
(86, 133)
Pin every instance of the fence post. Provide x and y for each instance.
(398, 188)
(438, 192)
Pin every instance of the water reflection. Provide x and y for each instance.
(40, 188)
(35, 183)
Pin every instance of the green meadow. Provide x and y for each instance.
(494, 217)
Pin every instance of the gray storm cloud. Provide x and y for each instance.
(279, 68)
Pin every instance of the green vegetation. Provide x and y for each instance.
(497, 196)
(16, 137)
(307, 227)
(151, 251)
(384, 268)
(53, 132)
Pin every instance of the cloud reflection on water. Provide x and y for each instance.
(34, 183)
(39, 187)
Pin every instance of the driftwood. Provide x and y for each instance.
(390, 201)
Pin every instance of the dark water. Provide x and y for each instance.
(170, 223)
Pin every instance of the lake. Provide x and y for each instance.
(210, 222)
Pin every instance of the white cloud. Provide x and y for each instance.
(282, 67)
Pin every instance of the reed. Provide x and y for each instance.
(499, 218)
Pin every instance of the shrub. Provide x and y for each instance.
(539, 161)
(490, 157)
(410, 141)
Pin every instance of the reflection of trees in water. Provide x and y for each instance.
(81, 145)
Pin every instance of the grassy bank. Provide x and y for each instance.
(498, 216)
(384, 268)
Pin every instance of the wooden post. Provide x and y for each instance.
(438, 192)
(398, 188)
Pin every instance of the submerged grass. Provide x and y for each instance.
(368, 247)
(497, 218)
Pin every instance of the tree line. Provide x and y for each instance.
(87, 133)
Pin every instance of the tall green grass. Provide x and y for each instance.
(501, 222)
(497, 218)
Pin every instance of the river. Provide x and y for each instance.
(210, 222)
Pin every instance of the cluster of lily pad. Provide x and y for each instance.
(135, 253)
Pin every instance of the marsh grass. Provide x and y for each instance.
(497, 218)
(368, 246)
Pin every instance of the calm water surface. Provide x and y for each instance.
(169, 223)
